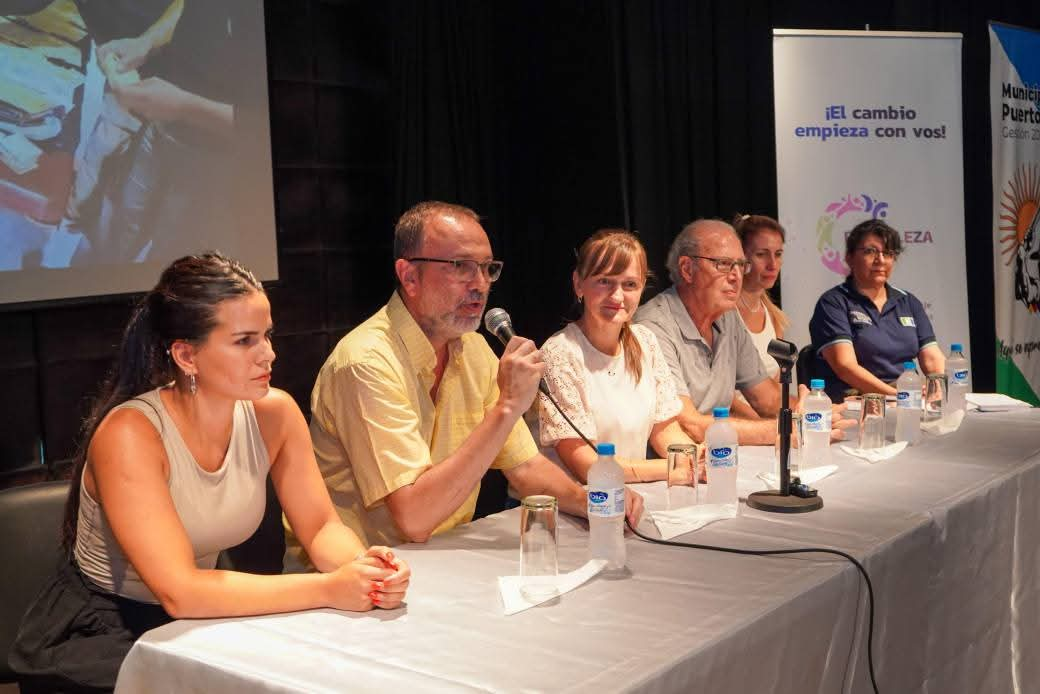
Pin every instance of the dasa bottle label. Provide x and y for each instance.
(818, 421)
(723, 456)
(909, 400)
(607, 503)
(960, 376)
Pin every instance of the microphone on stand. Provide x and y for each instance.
(781, 500)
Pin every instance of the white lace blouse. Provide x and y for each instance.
(600, 396)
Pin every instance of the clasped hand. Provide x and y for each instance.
(376, 578)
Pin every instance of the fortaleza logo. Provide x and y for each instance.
(846, 213)
(1019, 231)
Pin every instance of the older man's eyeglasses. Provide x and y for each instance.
(465, 270)
(726, 265)
(872, 252)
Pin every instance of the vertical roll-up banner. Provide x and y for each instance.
(1014, 87)
(868, 125)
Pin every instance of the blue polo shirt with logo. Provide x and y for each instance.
(883, 339)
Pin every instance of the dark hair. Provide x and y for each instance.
(746, 226)
(408, 232)
(889, 236)
(610, 252)
(182, 306)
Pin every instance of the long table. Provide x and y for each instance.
(948, 531)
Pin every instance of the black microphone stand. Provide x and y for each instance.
(781, 500)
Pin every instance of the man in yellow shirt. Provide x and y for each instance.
(412, 407)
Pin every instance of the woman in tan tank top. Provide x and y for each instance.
(177, 450)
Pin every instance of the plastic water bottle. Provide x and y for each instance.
(607, 509)
(816, 427)
(958, 378)
(721, 441)
(908, 404)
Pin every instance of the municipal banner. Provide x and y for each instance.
(1014, 87)
(868, 126)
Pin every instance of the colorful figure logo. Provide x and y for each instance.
(1020, 229)
(832, 251)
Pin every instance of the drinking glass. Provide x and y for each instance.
(682, 475)
(872, 421)
(794, 460)
(538, 514)
(935, 397)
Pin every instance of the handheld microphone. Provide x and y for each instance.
(498, 323)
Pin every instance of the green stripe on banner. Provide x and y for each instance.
(1010, 381)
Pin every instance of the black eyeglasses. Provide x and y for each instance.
(466, 270)
(726, 265)
(870, 252)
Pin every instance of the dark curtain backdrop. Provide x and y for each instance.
(551, 118)
(555, 119)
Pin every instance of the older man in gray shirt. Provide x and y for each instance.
(703, 339)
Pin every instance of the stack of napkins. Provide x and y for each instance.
(995, 402)
(875, 455)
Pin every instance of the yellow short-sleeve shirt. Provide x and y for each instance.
(375, 428)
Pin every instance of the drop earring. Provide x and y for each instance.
(191, 384)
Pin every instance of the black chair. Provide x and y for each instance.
(31, 518)
(262, 553)
(806, 362)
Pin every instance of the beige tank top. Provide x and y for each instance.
(217, 509)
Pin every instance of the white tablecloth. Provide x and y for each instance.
(948, 531)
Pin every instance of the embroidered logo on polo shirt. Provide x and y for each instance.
(860, 317)
(907, 321)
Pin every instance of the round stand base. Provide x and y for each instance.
(774, 502)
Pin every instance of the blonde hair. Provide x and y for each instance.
(610, 252)
(746, 226)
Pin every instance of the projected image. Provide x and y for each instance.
(131, 132)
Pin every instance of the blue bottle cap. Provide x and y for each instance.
(816, 384)
(605, 448)
(956, 347)
(908, 366)
(720, 412)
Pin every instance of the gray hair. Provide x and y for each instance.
(688, 243)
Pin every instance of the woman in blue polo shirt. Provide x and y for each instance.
(864, 329)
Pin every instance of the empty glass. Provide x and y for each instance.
(538, 547)
(794, 460)
(872, 421)
(682, 475)
(934, 397)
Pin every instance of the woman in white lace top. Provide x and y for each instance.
(608, 375)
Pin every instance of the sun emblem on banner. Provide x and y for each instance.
(1020, 232)
(832, 251)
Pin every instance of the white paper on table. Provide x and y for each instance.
(874, 455)
(514, 601)
(689, 518)
(995, 402)
(808, 476)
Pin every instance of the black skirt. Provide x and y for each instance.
(74, 636)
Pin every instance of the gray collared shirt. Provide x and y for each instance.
(705, 375)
